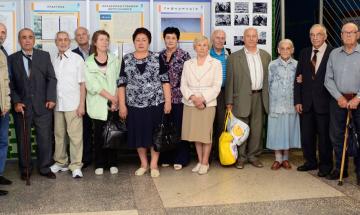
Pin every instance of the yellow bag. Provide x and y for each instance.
(227, 149)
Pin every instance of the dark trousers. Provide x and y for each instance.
(311, 125)
(219, 122)
(181, 155)
(87, 139)
(103, 157)
(337, 132)
(43, 133)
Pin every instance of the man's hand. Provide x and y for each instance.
(19, 108)
(299, 108)
(229, 107)
(299, 79)
(80, 111)
(4, 112)
(342, 102)
(50, 105)
(353, 103)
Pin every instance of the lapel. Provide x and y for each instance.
(243, 61)
(199, 74)
(323, 61)
(20, 65)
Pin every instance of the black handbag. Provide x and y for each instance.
(353, 140)
(166, 137)
(114, 132)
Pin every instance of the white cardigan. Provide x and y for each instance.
(206, 81)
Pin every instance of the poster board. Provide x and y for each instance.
(119, 19)
(191, 18)
(46, 18)
(234, 16)
(9, 17)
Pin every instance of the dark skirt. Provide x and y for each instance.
(141, 123)
(181, 155)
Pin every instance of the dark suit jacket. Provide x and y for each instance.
(238, 83)
(312, 92)
(40, 87)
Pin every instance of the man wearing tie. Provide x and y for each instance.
(311, 100)
(33, 94)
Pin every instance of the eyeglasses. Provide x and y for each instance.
(349, 33)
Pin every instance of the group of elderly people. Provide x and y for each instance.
(302, 98)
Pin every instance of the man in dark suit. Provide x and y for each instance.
(83, 49)
(33, 95)
(311, 100)
(247, 94)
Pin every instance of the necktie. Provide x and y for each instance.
(3, 50)
(313, 63)
(28, 57)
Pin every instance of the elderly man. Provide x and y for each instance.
(218, 51)
(33, 94)
(343, 82)
(311, 100)
(82, 38)
(247, 95)
(4, 108)
(69, 71)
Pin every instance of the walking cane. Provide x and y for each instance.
(340, 183)
(26, 154)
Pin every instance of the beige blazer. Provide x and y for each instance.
(205, 81)
(238, 83)
(4, 83)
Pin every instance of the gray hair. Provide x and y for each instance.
(215, 32)
(250, 28)
(288, 41)
(322, 28)
(61, 32)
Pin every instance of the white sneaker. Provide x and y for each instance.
(196, 168)
(113, 170)
(77, 173)
(56, 168)
(203, 169)
(99, 171)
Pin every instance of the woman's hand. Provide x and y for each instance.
(123, 112)
(167, 107)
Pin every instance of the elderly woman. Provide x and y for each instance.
(200, 85)
(283, 121)
(144, 94)
(101, 73)
(174, 59)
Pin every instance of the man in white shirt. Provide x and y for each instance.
(70, 106)
(247, 95)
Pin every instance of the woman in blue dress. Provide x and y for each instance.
(283, 121)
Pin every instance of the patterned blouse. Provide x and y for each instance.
(143, 80)
(281, 86)
(174, 68)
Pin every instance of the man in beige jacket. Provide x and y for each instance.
(246, 93)
(4, 108)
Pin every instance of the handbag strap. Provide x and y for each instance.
(227, 115)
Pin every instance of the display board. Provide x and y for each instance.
(119, 19)
(46, 18)
(236, 15)
(192, 19)
(9, 12)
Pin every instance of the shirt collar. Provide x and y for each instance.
(84, 51)
(248, 52)
(213, 52)
(66, 54)
(356, 49)
(31, 54)
(321, 49)
(285, 63)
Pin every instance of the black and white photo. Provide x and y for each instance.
(222, 20)
(241, 7)
(238, 40)
(241, 19)
(262, 38)
(259, 7)
(260, 20)
(222, 7)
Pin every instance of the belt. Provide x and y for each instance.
(349, 96)
(256, 91)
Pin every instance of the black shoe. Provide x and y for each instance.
(3, 192)
(322, 174)
(335, 175)
(306, 167)
(49, 175)
(5, 181)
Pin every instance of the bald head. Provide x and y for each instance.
(3, 33)
(218, 38)
(82, 36)
(251, 38)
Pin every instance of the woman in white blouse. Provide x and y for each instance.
(200, 85)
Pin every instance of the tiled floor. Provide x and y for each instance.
(222, 191)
